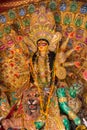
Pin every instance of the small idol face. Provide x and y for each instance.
(42, 45)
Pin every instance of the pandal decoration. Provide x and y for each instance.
(63, 30)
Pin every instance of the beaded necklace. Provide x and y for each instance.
(39, 83)
(41, 65)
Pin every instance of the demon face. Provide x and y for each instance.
(31, 102)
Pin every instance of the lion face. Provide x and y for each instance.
(31, 102)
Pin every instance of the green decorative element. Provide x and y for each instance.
(66, 123)
(1, 34)
(31, 8)
(26, 22)
(11, 14)
(57, 18)
(77, 121)
(73, 7)
(72, 92)
(13, 96)
(61, 92)
(77, 87)
(7, 29)
(39, 125)
(86, 25)
(52, 5)
(67, 20)
(2, 100)
(64, 107)
(78, 22)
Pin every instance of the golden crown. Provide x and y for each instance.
(42, 25)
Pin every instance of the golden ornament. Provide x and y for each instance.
(61, 73)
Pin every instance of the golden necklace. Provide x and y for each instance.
(41, 91)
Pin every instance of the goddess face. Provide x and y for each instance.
(31, 102)
(42, 45)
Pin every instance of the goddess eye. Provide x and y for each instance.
(28, 95)
(37, 95)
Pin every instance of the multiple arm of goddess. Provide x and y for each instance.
(61, 59)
